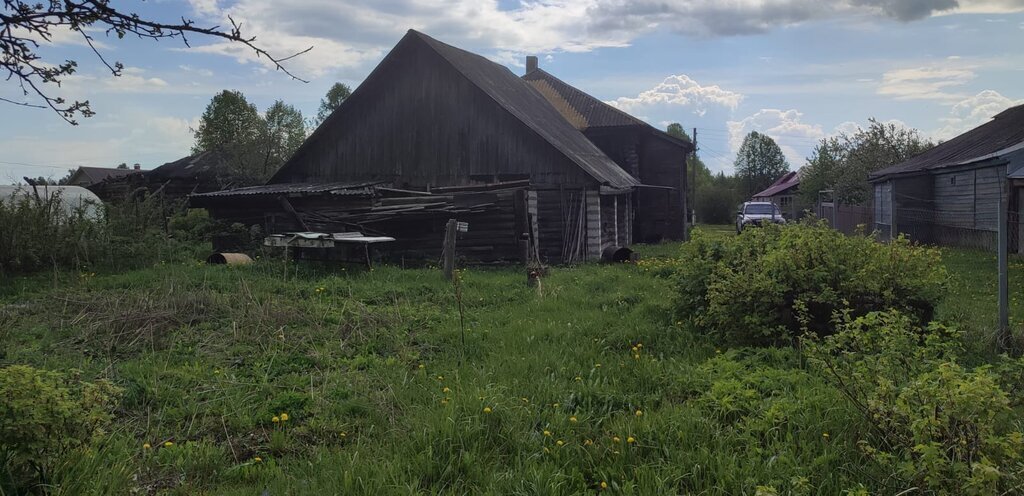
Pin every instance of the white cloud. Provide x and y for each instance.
(683, 91)
(784, 126)
(972, 112)
(348, 33)
(924, 83)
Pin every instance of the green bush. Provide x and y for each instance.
(44, 416)
(932, 423)
(771, 284)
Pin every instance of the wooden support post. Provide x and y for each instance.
(287, 206)
(1005, 338)
(448, 252)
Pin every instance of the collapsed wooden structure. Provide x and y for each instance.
(436, 132)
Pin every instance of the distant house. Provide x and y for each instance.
(436, 132)
(783, 193)
(198, 173)
(88, 176)
(952, 193)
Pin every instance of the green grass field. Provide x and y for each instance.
(585, 385)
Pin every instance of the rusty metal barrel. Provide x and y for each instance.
(229, 259)
(614, 254)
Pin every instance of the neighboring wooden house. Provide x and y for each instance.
(88, 176)
(784, 193)
(198, 173)
(952, 193)
(436, 132)
(648, 154)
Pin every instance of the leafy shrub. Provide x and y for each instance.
(933, 423)
(768, 285)
(45, 415)
(41, 234)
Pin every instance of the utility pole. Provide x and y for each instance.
(693, 181)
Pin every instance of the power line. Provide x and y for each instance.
(25, 164)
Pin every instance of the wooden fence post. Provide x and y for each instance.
(448, 251)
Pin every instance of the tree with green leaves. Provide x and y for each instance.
(232, 126)
(285, 132)
(843, 162)
(337, 94)
(759, 162)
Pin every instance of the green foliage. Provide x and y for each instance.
(44, 416)
(759, 163)
(337, 94)
(232, 126)
(47, 236)
(842, 163)
(770, 284)
(718, 198)
(934, 424)
(285, 132)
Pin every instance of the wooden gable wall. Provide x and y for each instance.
(416, 121)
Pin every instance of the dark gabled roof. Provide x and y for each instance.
(579, 108)
(97, 174)
(529, 106)
(1000, 135)
(202, 164)
(586, 112)
(788, 181)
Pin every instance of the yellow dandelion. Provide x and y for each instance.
(342, 435)
(422, 366)
(639, 413)
(572, 419)
(635, 349)
(597, 365)
(639, 345)
(440, 377)
(636, 357)
(146, 446)
(525, 400)
(168, 444)
(554, 405)
(604, 485)
(487, 409)
(284, 417)
(559, 442)
(578, 378)
(444, 401)
(587, 442)
(615, 439)
(257, 459)
(824, 435)
(446, 390)
(630, 440)
(276, 419)
(547, 433)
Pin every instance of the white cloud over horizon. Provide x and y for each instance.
(680, 90)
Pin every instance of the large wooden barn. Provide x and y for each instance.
(436, 132)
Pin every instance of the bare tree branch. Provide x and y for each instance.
(24, 26)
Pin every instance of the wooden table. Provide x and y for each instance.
(326, 241)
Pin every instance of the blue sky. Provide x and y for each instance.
(797, 70)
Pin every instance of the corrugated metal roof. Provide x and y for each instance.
(579, 108)
(1000, 135)
(525, 103)
(195, 165)
(296, 189)
(787, 181)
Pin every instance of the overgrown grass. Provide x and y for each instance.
(382, 397)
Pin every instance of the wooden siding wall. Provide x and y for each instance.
(594, 245)
(967, 206)
(562, 225)
(658, 212)
(416, 121)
